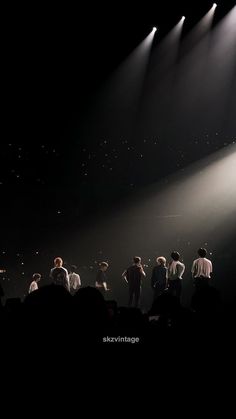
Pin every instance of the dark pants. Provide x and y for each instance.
(102, 291)
(201, 282)
(158, 290)
(175, 287)
(134, 292)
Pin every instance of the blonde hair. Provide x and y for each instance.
(161, 260)
(58, 261)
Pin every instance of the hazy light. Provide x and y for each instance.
(154, 29)
(200, 196)
(183, 18)
(200, 30)
(120, 94)
(214, 5)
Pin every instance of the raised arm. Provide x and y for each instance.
(124, 276)
(142, 271)
(193, 270)
(181, 270)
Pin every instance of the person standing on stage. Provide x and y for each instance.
(175, 273)
(159, 277)
(74, 278)
(34, 284)
(59, 274)
(201, 269)
(133, 276)
(101, 278)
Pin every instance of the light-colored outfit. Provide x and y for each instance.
(202, 267)
(75, 281)
(33, 286)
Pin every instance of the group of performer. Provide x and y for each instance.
(59, 276)
(165, 277)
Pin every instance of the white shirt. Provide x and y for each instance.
(202, 267)
(60, 276)
(75, 281)
(33, 286)
(176, 270)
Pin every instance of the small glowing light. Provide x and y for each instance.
(214, 5)
(154, 29)
(183, 17)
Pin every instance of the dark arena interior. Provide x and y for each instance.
(118, 140)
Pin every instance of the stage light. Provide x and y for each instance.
(214, 5)
(183, 17)
(154, 29)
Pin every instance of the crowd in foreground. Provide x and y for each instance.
(66, 311)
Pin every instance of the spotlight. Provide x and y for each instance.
(183, 18)
(154, 29)
(214, 5)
